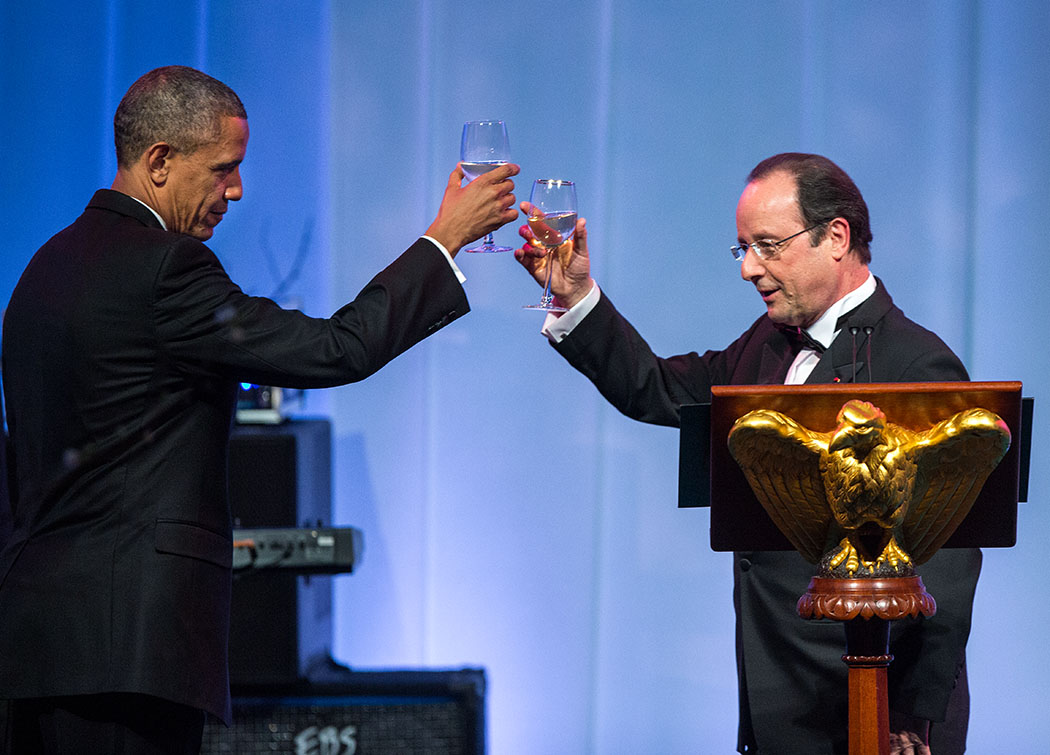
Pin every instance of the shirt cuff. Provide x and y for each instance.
(557, 326)
(452, 263)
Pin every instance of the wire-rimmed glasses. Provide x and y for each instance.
(766, 249)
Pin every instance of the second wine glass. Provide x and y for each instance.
(484, 146)
(552, 220)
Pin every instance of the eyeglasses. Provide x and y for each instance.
(766, 249)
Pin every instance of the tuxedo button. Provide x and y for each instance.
(745, 564)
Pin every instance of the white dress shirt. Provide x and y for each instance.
(823, 331)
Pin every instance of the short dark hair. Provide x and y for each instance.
(175, 104)
(825, 192)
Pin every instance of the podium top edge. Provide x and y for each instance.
(1006, 386)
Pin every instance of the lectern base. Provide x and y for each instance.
(866, 607)
(847, 599)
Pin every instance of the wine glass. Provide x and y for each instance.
(552, 220)
(484, 146)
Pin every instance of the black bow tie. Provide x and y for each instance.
(801, 339)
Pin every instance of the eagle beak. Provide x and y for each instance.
(840, 440)
(857, 437)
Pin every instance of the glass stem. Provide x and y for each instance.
(548, 297)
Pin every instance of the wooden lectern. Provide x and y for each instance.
(709, 475)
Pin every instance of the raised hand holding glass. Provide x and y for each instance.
(552, 221)
(484, 146)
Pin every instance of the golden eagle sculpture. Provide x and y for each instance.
(870, 498)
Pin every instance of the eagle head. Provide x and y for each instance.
(861, 427)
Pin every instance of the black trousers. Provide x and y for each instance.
(114, 723)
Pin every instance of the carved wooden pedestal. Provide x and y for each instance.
(866, 606)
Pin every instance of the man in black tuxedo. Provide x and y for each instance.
(124, 342)
(803, 242)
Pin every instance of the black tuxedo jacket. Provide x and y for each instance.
(123, 346)
(792, 681)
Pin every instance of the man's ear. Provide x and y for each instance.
(838, 231)
(158, 162)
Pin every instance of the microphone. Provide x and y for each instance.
(868, 332)
(853, 330)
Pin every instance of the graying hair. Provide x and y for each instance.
(175, 104)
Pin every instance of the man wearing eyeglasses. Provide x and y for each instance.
(803, 242)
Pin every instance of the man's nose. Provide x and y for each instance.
(234, 187)
(751, 266)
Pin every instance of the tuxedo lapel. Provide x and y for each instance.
(837, 365)
(847, 359)
(775, 361)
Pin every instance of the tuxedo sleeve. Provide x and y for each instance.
(613, 355)
(207, 324)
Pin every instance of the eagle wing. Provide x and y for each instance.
(954, 458)
(781, 460)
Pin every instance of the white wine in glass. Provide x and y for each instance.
(484, 146)
(552, 221)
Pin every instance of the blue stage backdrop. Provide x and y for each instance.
(512, 519)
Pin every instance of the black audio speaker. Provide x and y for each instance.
(279, 476)
(369, 713)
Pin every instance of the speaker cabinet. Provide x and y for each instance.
(279, 476)
(369, 713)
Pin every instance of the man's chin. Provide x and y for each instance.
(784, 319)
(778, 317)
